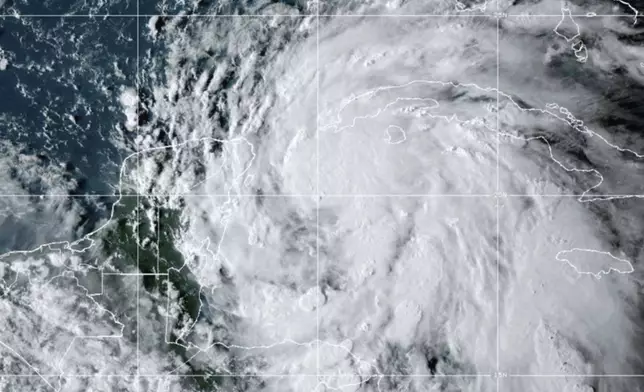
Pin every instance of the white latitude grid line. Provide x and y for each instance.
(318, 375)
(347, 375)
(457, 15)
(590, 198)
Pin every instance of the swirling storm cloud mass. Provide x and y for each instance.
(335, 195)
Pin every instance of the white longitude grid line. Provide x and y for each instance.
(158, 233)
(497, 200)
(138, 196)
(498, 195)
(317, 180)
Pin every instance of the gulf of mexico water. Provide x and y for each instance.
(60, 115)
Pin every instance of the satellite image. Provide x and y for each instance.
(321, 195)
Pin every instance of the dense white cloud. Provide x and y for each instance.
(409, 286)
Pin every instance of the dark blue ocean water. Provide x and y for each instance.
(59, 96)
(69, 7)
(125, 7)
